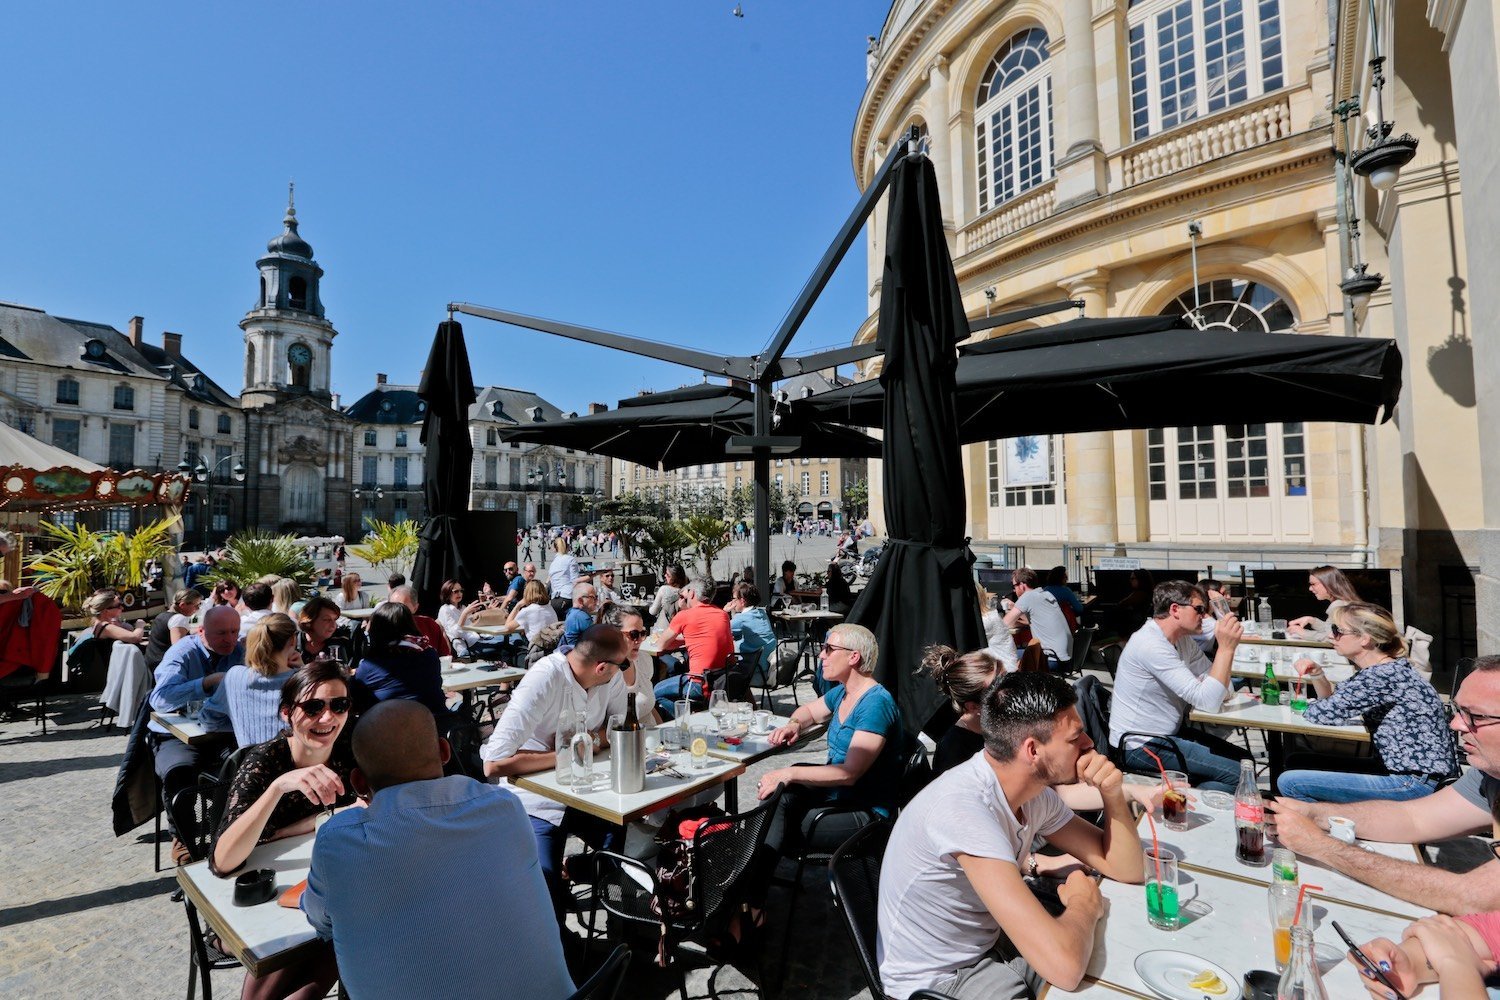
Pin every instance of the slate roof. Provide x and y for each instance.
(398, 404)
(388, 404)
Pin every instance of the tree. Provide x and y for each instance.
(856, 499)
(740, 505)
(662, 545)
(708, 535)
(252, 555)
(390, 548)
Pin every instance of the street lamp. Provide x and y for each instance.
(538, 476)
(203, 475)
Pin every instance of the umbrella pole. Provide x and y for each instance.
(761, 463)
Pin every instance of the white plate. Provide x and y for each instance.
(1167, 973)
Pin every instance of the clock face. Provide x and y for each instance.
(299, 354)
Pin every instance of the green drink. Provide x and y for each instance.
(1161, 905)
(1299, 703)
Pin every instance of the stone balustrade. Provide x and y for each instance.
(1016, 214)
(1231, 131)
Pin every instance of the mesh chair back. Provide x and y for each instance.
(606, 981)
(1083, 640)
(721, 859)
(854, 878)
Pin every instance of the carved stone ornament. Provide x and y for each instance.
(302, 449)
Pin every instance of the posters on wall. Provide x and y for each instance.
(1028, 460)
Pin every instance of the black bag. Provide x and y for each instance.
(675, 900)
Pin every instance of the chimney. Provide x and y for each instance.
(136, 323)
(380, 378)
(598, 407)
(171, 343)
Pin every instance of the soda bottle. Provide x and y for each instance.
(1270, 692)
(1249, 818)
(1301, 980)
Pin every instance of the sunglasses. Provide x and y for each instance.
(314, 706)
(636, 634)
(1339, 633)
(829, 647)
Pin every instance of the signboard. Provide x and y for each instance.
(1117, 562)
(1028, 460)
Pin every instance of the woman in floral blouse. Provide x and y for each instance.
(1414, 748)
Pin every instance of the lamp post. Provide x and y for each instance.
(538, 476)
(203, 475)
(378, 492)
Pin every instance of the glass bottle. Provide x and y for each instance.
(567, 727)
(1249, 818)
(1301, 980)
(1270, 691)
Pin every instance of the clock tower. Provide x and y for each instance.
(288, 341)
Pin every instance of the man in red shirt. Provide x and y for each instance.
(430, 629)
(703, 630)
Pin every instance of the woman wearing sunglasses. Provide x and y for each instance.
(105, 607)
(280, 789)
(1408, 726)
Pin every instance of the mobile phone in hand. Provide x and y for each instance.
(1365, 963)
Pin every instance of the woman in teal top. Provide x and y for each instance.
(865, 750)
(754, 638)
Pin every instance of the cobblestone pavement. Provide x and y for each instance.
(82, 914)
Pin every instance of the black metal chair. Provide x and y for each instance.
(606, 981)
(721, 861)
(1083, 641)
(854, 880)
(25, 684)
(207, 799)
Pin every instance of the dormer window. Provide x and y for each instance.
(93, 350)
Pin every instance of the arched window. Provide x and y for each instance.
(262, 291)
(1236, 481)
(250, 378)
(1190, 58)
(1013, 120)
(296, 293)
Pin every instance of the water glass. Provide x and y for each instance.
(1161, 889)
(699, 736)
(1278, 625)
(616, 722)
(1220, 606)
(192, 709)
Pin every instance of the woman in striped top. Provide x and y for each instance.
(253, 688)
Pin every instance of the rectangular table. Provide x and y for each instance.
(265, 937)
(660, 791)
(1275, 721)
(753, 748)
(185, 727)
(468, 676)
(1207, 846)
(494, 631)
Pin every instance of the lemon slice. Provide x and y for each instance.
(700, 747)
(1208, 982)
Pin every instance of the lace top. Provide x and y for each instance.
(263, 764)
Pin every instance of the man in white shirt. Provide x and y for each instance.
(257, 598)
(1163, 675)
(1040, 610)
(588, 679)
(956, 914)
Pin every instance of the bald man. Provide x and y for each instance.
(190, 672)
(411, 856)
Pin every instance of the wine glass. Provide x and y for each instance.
(718, 705)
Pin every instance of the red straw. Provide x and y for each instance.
(1155, 845)
(1159, 766)
(1300, 893)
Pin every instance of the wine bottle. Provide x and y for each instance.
(632, 723)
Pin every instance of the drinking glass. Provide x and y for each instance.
(616, 722)
(1161, 889)
(193, 708)
(1174, 806)
(1281, 898)
(1278, 625)
(1220, 606)
(718, 706)
(698, 745)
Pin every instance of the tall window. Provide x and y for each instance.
(124, 397)
(67, 391)
(490, 463)
(221, 513)
(806, 480)
(399, 511)
(1014, 120)
(369, 439)
(399, 476)
(400, 439)
(225, 426)
(516, 479)
(121, 446)
(193, 418)
(369, 468)
(1190, 58)
(65, 435)
(823, 484)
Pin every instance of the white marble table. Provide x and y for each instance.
(495, 630)
(468, 676)
(752, 747)
(357, 614)
(186, 728)
(1250, 664)
(1275, 721)
(1207, 846)
(661, 790)
(265, 937)
(1227, 922)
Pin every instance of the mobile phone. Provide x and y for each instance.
(1366, 964)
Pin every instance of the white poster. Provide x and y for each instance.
(1028, 460)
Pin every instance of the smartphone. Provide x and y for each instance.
(1366, 964)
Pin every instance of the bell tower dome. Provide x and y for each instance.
(288, 341)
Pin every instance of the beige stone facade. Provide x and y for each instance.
(1076, 140)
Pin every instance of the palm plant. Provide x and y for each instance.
(252, 555)
(390, 548)
(662, 545)
(708, 536)
(84, 561)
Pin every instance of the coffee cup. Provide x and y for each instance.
(1341, 828)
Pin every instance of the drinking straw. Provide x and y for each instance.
(1159, 766)
(1155, 847)
(1301, 891)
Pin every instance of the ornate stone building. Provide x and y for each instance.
(1154, 156)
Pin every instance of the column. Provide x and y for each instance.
(1090, 457)
(1082, 170)
(936, 106)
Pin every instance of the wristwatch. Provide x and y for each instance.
(1031, 867)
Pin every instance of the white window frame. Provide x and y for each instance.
(1011, 97)
(1261, 21)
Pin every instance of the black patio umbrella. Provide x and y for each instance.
(922, 591)
(448, 390)
(690, 426)
(1119, 374)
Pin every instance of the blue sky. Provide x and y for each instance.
(663, 168)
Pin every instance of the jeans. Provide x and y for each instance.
(673, 689)
(550, 841)
(1322, 778)
(1211, 763)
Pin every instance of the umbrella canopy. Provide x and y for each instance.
(1119, 374)
(448, 389)
(922, 591)
(36, 476)
(689, 426)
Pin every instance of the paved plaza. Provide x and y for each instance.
(82, 914)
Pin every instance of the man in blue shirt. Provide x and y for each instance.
(451, 858)
(581, 615)
(191, 672)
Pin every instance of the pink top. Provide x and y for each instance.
(1488, 926)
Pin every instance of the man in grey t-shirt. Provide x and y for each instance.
(1465, 807)
(1040, 610)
